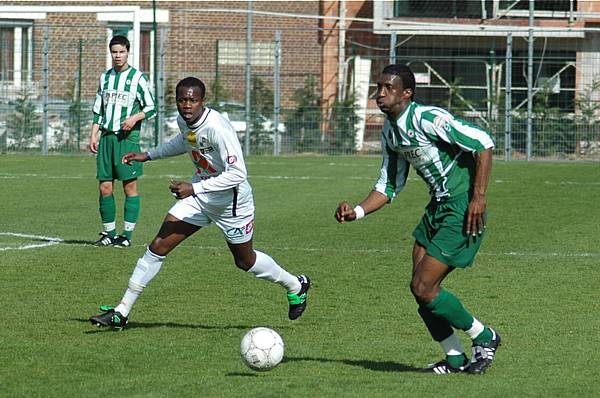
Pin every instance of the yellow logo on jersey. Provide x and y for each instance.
(191, 137)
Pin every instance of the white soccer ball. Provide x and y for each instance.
(261, 349)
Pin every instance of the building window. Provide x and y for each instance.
(233, 52)
(539, 5)
(442, 8)
(145, 65)
(15, 54)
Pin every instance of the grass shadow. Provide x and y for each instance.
(152, 325)
(380, 366)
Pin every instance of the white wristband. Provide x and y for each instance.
(360, 212)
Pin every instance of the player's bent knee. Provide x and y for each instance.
(423, 293)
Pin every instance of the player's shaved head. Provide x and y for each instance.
(190, 82)
(404, 73)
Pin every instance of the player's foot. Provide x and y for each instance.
(443, 367)
(298, 301)
(121, 241)
(483, 354)
(109, 318)
(104, 240)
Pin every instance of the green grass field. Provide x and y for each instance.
(536, 279)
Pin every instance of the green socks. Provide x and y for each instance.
(131, 214)
(108, 214)
(447, 306)
(484, 337)
(456, 361)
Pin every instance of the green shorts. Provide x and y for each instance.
(442, 233)
(111, 149)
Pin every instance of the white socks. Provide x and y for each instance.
(266, 268)
(145, 270)
(451, 345)
(475, 330)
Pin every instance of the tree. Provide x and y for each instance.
(24, 123)
(342, 126)
(305, 120)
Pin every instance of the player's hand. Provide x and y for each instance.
(345, 212)
(94, 144)
(134, 157)
(476, 215)
(128, 123)
(181, 189)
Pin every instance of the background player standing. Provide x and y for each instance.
(454, 158)
(122, 102)
(219, 194)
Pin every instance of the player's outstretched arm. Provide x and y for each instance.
(134, 157)
(373, 202)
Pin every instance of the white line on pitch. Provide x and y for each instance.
(50, 241)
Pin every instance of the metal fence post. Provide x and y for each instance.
(248, 80)
(508, 99)
(161, 88)
(393, 39)
(530, 81)
(45, 92)
(276, 96)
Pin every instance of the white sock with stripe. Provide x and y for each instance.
(266, 268)
(145, 270)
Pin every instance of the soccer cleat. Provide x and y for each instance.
(483, 354)
(109, 318)
(298, 301)
(104, 240)
(121, 241)
(443, 367)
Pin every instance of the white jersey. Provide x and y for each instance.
(216, 153)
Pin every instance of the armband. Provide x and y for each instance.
(360, 212)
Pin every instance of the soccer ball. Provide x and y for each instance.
(261, 349)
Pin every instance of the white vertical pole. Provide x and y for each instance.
(530, 81)
(276, 97)
(248, 79)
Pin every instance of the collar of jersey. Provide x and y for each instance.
(201, 119)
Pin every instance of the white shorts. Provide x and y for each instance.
(233, 213)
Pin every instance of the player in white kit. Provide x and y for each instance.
(219, 194)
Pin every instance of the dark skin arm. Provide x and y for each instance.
(476, 211)
(179, 189)
(373, 202)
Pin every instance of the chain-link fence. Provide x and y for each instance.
(298, 104)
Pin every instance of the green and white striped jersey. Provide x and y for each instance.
(120, 95)
(438, 145)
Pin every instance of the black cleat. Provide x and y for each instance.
(104, 240)
(109, 318)
(443, 367)
(298, 301)
(121, 241)
(483, 355)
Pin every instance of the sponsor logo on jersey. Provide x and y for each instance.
(417, 156)
(191, 138)
(231, 159)
(202, 163)
(442, 122)
(116, 97)
(241, 231)
(206, 149)
(410, 133)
